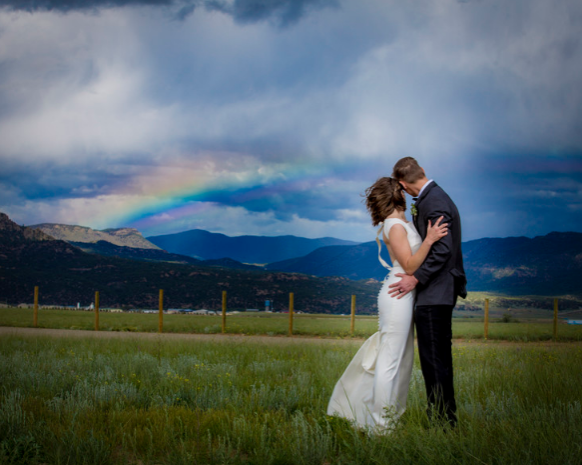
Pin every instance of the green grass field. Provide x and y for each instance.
(119, 401)
(527, 329)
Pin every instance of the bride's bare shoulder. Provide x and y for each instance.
(394, 228)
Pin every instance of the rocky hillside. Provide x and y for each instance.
(10, 232)
(126, 237)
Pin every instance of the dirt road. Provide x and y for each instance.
(239, 338)
(9, 330)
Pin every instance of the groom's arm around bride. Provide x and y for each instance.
(441, 277)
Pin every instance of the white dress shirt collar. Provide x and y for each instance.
(423, 188)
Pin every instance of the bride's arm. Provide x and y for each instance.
(398, 238)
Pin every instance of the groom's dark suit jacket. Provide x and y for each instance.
(441, 278)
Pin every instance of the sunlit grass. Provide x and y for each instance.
(166, 402)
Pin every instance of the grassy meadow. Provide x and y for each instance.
(138, 401)
(525, 329)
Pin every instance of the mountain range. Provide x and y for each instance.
(67, 275)
(156, 255)
(350, 261)
(545, 265)
(247, 249)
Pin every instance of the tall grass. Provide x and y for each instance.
(274, 324)
(87, 401)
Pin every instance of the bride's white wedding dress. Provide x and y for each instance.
(373, 389)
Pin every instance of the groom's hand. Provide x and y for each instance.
(402, 287)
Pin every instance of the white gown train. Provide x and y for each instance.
(374, 387)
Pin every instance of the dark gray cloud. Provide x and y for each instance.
(80, 5)
(46, 180)
(280, 12)
(284, 12)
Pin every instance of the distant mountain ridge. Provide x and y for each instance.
(194, 246)
(206, 245)
(107, 249)
(543, 265)
(352, 262)
(550, 264)
(126, 237)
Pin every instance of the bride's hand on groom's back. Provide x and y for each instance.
(437, 231)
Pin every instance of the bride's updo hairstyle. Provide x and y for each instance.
(383, 197)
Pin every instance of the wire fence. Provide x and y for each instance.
(290, 310)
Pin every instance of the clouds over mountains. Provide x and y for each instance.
(271, 117)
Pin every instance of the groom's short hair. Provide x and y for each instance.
(407, 169)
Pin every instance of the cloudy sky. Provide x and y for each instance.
(271, 117)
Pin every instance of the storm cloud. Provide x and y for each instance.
(257, 117)
(281, 12)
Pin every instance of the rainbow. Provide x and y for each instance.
(168, 193)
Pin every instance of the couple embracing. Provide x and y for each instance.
(422, 287)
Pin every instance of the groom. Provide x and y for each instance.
(438, 282)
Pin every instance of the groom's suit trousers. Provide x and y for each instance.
(434, 331)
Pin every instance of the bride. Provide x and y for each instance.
(373, 389)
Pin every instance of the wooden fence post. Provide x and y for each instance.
(486, 318)
(96, 310)
(161, 312)
(291, 314)
(555, 319)
(223, 312)
(353, 322)
(35, 314)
